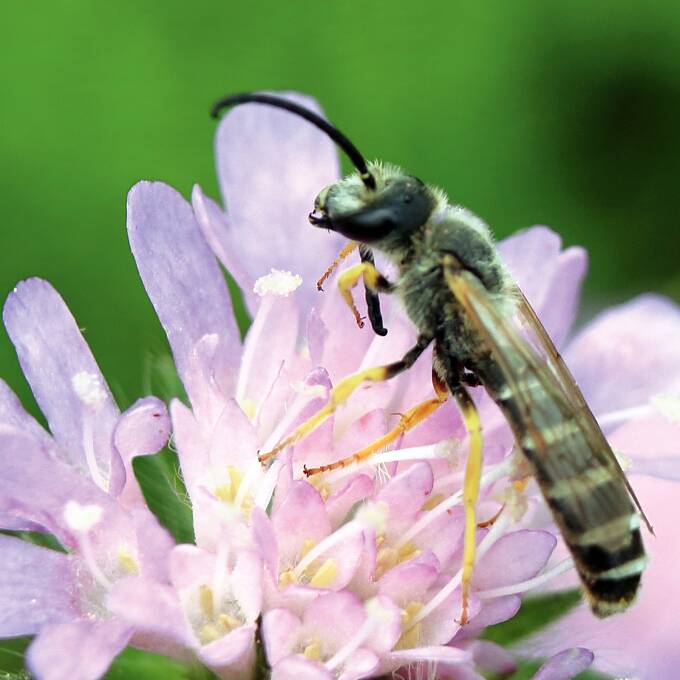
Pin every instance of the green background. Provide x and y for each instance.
(564, 114)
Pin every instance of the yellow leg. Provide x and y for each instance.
(407, 422)
(342, 392)
(373, 280)
(350, 247)
(473, 471)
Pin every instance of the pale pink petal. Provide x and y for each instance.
(53, 355)
(246, 584)
(82, 650)
(359, 664)
(406, 493)
(280, 628)
(37, 487)
(492, 657)
(344, 609)
(35, 589)
(493, 611)
(628, 354)
(340, 502)
(301, 516)
(180, 273)
(299, 668)
(192, 448)
(154, 544)
(265, 539)
(150, 607)
(142, 430)
(436, 654)
(216, 230)
(566, 665)
(271, 165)
(13, 413)
(549, 277)
(410, 580)
(514, 558)
(233, 654)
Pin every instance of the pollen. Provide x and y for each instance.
(312, 651)
(277, 282)
(411, 636)
(307, 545)
(286, 578)
(205, 598)
(88, 387)
(127, 562)
(249, 407)
(209, 633)
(324, 575)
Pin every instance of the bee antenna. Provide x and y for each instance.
(314, 118)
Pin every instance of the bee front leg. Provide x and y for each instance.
(375, 283)
(473, 471)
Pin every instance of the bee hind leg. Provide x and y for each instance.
(414, 416)
(344, 389)
(473, 471)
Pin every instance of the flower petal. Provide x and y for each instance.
(54, 357)
(565, 665)
(180, 273)
(13, 413)
(280, 629)
(233, 654)
(216, 230)
(299, 668)
(81, 650)
(142, 430)
(611, 357)
(514, 558)
(34, 589)
(271, 165)
(550, 278)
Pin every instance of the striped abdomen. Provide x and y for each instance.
(580, 482)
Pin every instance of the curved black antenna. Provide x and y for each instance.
(314, 118)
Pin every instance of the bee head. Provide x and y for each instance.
(393, 205)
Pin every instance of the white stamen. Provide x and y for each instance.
(353, 644)
(344, 532)
(81, 518)
(494, 534)
(266, 489)
(529, 584)
(277, 283)
(244, 487)
(220, 574)
(90, 458)
(488, 478)
(89, 389)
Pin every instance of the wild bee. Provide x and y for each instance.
(460, 297)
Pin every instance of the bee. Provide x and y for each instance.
(458, 294)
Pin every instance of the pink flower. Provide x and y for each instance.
(75, 482)
(370, 540)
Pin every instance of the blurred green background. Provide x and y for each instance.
(565, 114)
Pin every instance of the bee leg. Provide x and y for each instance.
(351, 246)
(408, 421)
(374, 281)
(342, 391)
(473, 471)
(372, 297)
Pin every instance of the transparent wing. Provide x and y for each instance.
(521, 347)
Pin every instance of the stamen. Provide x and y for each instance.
(90, 457)
(494, 534)
(319, 549)
(277, 282)
(539, 580)
(266, 488)
(81, 518)
(376, 615)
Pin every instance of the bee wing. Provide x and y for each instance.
(521, 347)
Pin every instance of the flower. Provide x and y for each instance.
(359, 540)
(75, 482)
